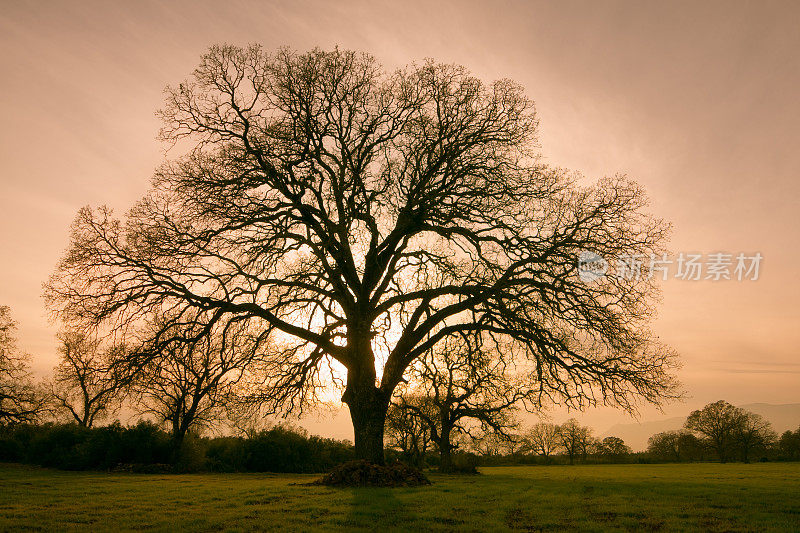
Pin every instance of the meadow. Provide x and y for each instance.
(681, 497)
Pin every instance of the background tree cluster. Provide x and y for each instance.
(719, 429)
(574, 441)
(185, 378)
(145, 447)
(718, 432)
(461, 403)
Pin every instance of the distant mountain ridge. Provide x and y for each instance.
(781, 416)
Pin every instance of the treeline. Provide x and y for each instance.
(450, 415)
(723, 432)
(718, 432)
(681, 446)
(146, 448)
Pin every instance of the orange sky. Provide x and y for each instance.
(698, 103)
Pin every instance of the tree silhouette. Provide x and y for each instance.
(543, 439)
(789, 444)
(719, 422)
(462, 383)
(676, 446)
(20, 399)
(186, 380)
(575, 439)
(613, 449)
(730, 429)
(754, 433)
(82, 384)
(361, 217)
(409, 429)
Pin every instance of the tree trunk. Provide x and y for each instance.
(367, 403)
(178, 433)
(445, 451)
(446, 463)
(368, 406)
(722, 452)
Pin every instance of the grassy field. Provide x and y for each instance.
(694, 497)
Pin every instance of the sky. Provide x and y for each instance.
(695, 101)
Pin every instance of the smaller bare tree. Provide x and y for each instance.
(20, 399)
(575, 439)
(719, 422)
(613, 449)
(408, 428)
(514, 443)
(191, 369)
(665, 446)
(677, 446)
(487, 443)
(543, 439)
(789, 444)
(245, 417)
(753, 434)
(467, 384)
(83, 384)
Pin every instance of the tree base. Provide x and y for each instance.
(362, 473)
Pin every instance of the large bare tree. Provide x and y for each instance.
(362, 216)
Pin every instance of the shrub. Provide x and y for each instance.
(464, 463)
(71, 447)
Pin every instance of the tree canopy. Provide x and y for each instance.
(361, 217)
(730, 429)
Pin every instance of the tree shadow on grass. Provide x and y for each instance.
(375, 508)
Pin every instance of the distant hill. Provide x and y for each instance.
(782, 417)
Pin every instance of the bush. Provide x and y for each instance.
(132, 449)
(71, 447)
(285, 449)
(464, 463)
(226, 454)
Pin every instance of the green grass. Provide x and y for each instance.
(694, 497)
